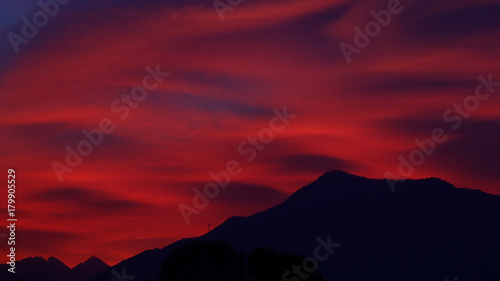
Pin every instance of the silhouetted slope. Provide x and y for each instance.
(143, 266)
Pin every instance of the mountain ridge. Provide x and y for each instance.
(347, 207)
(416, 233)
(52, 269)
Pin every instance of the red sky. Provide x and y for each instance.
(225, 79)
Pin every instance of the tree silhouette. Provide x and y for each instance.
(266, 265)
(219, 261)
(204, 261)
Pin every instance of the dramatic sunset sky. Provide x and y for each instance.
(225, 79)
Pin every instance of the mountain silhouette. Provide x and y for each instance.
(37, 269)
(87, 270)
(52, 269)
(426, 230)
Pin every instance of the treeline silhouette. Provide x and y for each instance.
(219, 261)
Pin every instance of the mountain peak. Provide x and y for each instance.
(93, 259)
(55, 260)
(92, 262)
(37, 258)
(339, 178)
(88, 269)
(339, 174)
